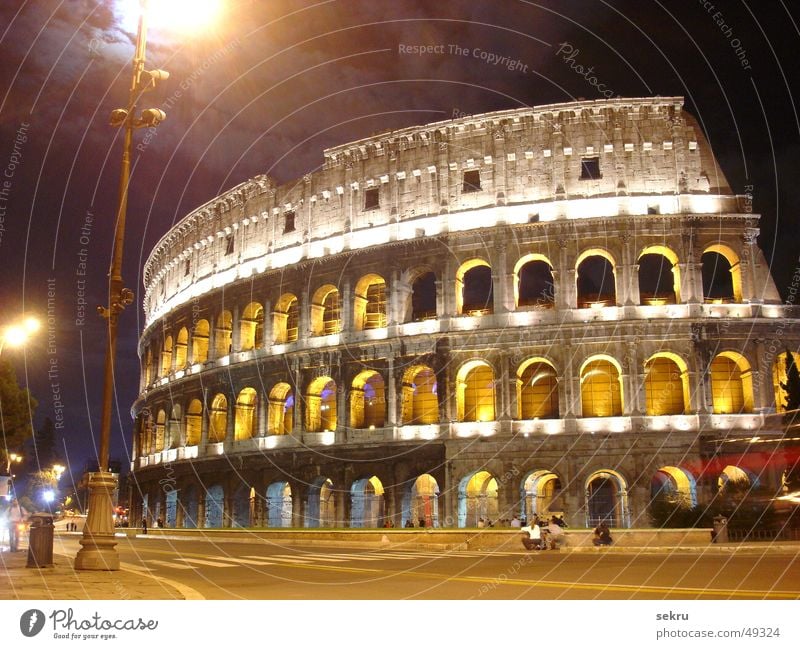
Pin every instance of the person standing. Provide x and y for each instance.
(16, 514)
(144, 525)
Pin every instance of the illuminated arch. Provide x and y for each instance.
(321, 405)
(149, 367)
(281, 410)
(537, 389)
(666, 384)
(369, 303)
(181, 348)
(477, 499)
(166, 356)
(472, 295)
(200, 337)
(717, 287)
(534, 284)
(214, 506)
(780, 376)
(731, 384)
(419, 402)
(194, 422)
(663, 289)
(188, 506)
(218, 419)
(173, 435)
(475, 391)
(279, 505)
(161, 423)
(285, 319)
(325, 311)
(735, 478)
(223, 334)
(595, 277)
(540, 492)
(242, 506)
(677, 484)
(366, 503)
(421, 502)
(251, 327)
(368, 401)
(601, 387)
(606, 499)
(321, 510)
(244, 422)
(423, 297)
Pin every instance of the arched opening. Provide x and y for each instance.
(475, 392)
(421, 502)
(369, 303)
(166, 356)
(321, 405)
(194, 422)
(215, 506)
(474, 289)
(279, 505)
(171, 508)
(533, 282)
(676, 485)
(325, 312)
(367, 507)
(149, 367)
(666, 385)
(367, 401)
(601, 388)
(659, 277)
(223, 334)
(477, 499)
(173, 435)
(731, 384)
(181, 348)
(541, 495)
(596, 279)
(241, 507)
(244, 424)
(423, 298)
(420, 404)
(218, 419)
(722, 275)
(286, 319)
(188, 504)
(200, 341)
(251, 330)
(606, 499)
(321, 504)
(734, 479)
(780, 379)
(161, 423)
(537, 390)
(281, 410)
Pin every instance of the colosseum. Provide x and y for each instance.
(560, 309)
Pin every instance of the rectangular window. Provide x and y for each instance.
(372, 199)
(590, 168)
(229, 244)
(472, 181)
(288, 223)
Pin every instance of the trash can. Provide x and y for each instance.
(720, 534)
(40, 544)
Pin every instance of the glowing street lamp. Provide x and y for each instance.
(18, 334)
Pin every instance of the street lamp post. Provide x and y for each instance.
(98, 551)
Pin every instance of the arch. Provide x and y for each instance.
(475, 391)
(534, 284)
(421, 502)
(666, 385)
(181, 348)
(188, 507)
(474, 289)
(325, 311)
(677, 484)
(659, 276)
(218, 419)
(722, 274)
(173, 433)
(194, 422)
(321, 405)
(244, 422)
(223, 334)
(423, 297)
(280, 416)
(166, 356)
(251, 327)
(731, 384)
(321, 510)
(419, 402)
(595, 278)
(214, 506)
(286, 319)
(734, 478)
(150, 370)
(601, 387)
(367, 506)
(368, 401)
(606, 499)
(369, 303)
(537, 390)
(161, 422)
(477, 499)
(279, 504)
(780, 378)
(171, 508)
(540, 492)
(200, 337)
(242, 505)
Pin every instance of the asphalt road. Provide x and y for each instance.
(234, 570)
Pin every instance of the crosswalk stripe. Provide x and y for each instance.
(202, 562)
(250, 562)
(311, 557)
(168, 564)
(293, 560)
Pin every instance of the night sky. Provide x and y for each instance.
(275, 82)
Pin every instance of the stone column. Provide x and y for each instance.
(764, 390)
(298, 390)
(346, 310)
(266, 325)
(502, 281)
(299, 496)
(505, 412)
(204, 414)
(262, 406)
(391, 399)
(230, 429)
(236, 333)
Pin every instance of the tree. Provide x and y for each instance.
(16, 412)
(792, 385)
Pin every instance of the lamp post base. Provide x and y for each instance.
(98, 551)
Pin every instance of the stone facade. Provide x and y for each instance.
(556, 309)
